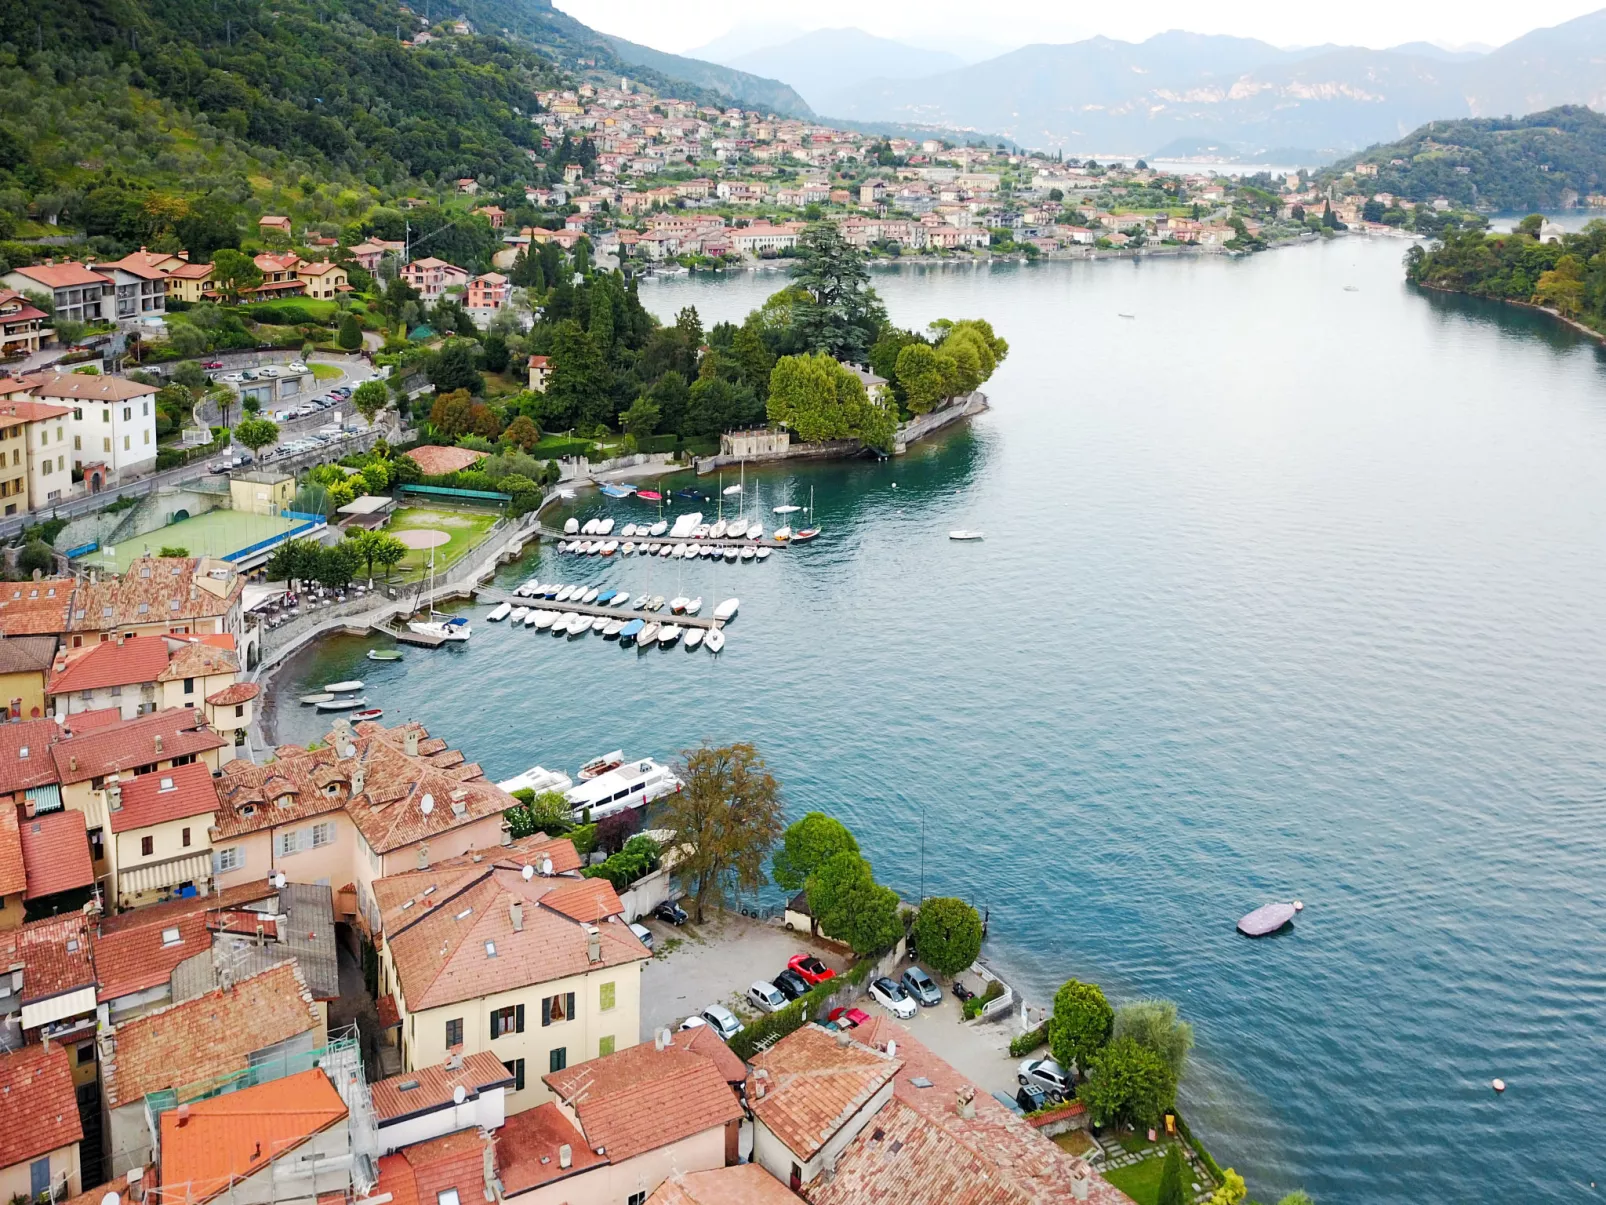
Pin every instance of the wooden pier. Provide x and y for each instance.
(666, 538)
(406, 635)
(496, 595)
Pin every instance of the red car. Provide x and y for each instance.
(849, 1018)
(811, 968)
(212, 364)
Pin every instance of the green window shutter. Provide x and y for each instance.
(518, 1019)
(546, 1010)
(605, 1046)
(568, 1005)
(606, 997)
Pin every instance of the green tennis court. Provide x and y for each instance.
(215, 533)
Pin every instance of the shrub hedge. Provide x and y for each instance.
(1028, 1041)
(975, 1004)
(638, 857)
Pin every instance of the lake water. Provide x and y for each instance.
(1287, 591)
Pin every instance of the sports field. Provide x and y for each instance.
(464, 529)
(215, 533)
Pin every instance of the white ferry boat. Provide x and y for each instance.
(632, 785)
(538, 779)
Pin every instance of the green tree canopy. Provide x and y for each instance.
(234, 273)
(1154, 1024)
(256, 433)
(726, 820)
(369, 399)
(1171, 1187)
(548, 813)
(1127, 1084)
(842, 314)
(1081, 1023)
(350, 336)
(808, 844)
(852, 907)
(820, 400)
(947, 934)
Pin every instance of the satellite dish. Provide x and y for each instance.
(546, 867)
(458, 1097)
(111, 1198)
(279, 879)
(527, 873)
(427, 804)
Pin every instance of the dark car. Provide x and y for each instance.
(670, 912)
(1032, 1098)
(793, 986)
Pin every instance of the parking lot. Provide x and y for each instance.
(698, 965)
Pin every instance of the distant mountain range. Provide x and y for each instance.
(1245, 96)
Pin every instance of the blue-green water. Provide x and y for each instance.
(1287, 591)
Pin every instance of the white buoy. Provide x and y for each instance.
(1299, 905)
(1498, 1085)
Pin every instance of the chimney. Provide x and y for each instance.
(423, 857)
(412, 742)
(114, 797)
(658, 1040)
(842, 1038)
(593, 944)
(184, 1115)
(358, 781)
(158, 742)
(516, 912)
(136, 1184)
(965, 1103)
(507, 833)
(565, 1155)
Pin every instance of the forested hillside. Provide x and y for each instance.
(1567, 275)
(1546, 160)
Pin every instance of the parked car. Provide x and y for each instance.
(889, 994)
(792, 985)
(248, 375)
(270, 371)
(341, 392)
(296, 366)
(766, 997)
(211, 364)
(849, 1018)
(233, 377)
(811, 968)
(722, 1021)
(922, 987)
(1045, 1074)
(1031, 1098)
(692, 1023)
(670, 913)
(643, 935)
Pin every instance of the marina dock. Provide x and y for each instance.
(551, 533)
(495, 595)
(405, 635)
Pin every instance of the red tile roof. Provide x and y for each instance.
(38, 1105)
(55, 852)
(15, 413)
(208, 1036)
(235, 1135)
(231, 696)
(527, 1149)
(815, 1080)
(79, 388)
(154, 590)
(25, 759)
(584, 899)
(26, 654)
(418, 1174)
(129, 744)
(436, 461)
(642, 1098)
(13, 876)
(61, 276)
(432, 1086)
(122, 662)
(164, 795)
(702, 1039)
(742, 1184)
(138, 958)
(57, 956)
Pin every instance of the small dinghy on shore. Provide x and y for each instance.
(1267, 920)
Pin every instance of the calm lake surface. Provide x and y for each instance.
(1287, 592)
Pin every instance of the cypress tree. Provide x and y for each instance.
(1171, 1189)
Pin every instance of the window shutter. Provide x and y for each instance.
(546, 1010)
(518, 1019)
(568, 1005)
(496, 1026)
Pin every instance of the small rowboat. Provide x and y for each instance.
(384, 655)
(344, 688)
(649, 495)
(371, 713)
(1266, 920)
(346, 704)
(321, 697)
(962, 534)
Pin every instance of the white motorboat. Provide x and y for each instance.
(619, 601)
(694, 637)
(726, 611)
(502, 611)
(658, 528)
(748, 554)
(596, 549)
(641, 603)
(678, 552)
(963, 534)
(517, 616)
(579, 624)
(605, 527)
(668, 634)
(787, 510)
(718, 530)
(589, 527)
(732, 552)
(538, 779)
(571, 527)
(732, 489)
(563, 594)
(755, 532)
(560, 623)
(657, 603)
(649, 635)
(629, 548)
(610, 547)
(700, 532)
(614, 627)
(783, 534)
(590, 596)
(628, 530)
(341, 704)
(707, 550)
(601, 622)
(764, 554)
(534, 617)
(344, 688)
(563, 546)
(544, 620)
(677, 604)
(714, 641)
(736, 529)
(455, 629)
(694, 606)
(665, 550)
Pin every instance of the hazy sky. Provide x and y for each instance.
(684, 24)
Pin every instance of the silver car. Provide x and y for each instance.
(1046, 1074)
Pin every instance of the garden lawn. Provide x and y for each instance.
(325, 372)
(1140, 1181)
(466, 527)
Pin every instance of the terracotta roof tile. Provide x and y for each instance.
(61, 276)
(138, 958)
(13, 874)
(38, 1105)
(25, 759)
(26, 654)
(642, 1098)
(442, 957)
(57, 956)
(36, 608)
(200, 658)
(815, 1082)
(208, 1036)
(528, 1138)
(112, 663)
(19, 412)
(743, 1184)
(701, 1039)
(433, 1086)
(77, 387)
(170, 912)
(230, 696)
(229, 1137)
(436, 461)
(164, 795)
(94, 1196)
(589, 900)
(418, 1174)
(129, 744)
(55, 852)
